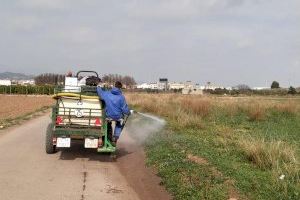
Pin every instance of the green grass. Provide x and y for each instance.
(233, 145)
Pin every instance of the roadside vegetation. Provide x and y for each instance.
(222, 148)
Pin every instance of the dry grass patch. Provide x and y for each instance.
(290, 107)
(184, 120)
(181, 110)
(196, 159)
(275, 155)
(256, 112)
(198, 106)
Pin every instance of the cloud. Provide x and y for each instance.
(231, 3)
(76, 35)
(296, 64)
(179, 8)
(244, 43)
(43, 4)
(179, 39)
(22, 23)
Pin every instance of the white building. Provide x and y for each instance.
(5, 82)
(143, 86)
(210, 86)
(163, 84)
(261, 88)
(153, 86)
(26, 82)
(188, 85)
(176, 86)
(193, 89)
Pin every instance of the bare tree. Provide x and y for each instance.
(242, 87)
(127, 81)
(49, 79)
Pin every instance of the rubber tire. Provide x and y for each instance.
(50, 148)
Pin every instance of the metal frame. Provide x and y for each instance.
(87, 71)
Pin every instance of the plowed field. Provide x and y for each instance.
(13, 106)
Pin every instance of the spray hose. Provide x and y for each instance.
(73, 95)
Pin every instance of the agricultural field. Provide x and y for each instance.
(18, 107)
(225, 147)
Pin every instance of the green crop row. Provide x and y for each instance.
(22, 89)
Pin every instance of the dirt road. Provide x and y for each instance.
(27, 172)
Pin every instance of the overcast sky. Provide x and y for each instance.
(227, 42)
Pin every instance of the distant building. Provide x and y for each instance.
(261, 88)
(5, 82)
(163, 84)
(153, 86)
(25, 82)
(188, 85)
(193, 89)
(143, 86)
(210, 86)
(176, 86)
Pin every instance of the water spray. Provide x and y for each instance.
(162, 121)
(142, 125)
(152, 117)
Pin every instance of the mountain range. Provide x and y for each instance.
(15, 76)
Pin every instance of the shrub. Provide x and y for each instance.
(292, 91)
(275, 85)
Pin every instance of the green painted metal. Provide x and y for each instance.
(107, 149)
(107, 146)
(77, 132)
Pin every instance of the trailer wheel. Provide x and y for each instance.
(50, 148)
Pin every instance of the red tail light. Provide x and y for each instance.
(59, 120)
(98, 122)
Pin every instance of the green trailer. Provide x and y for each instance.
(78, 114)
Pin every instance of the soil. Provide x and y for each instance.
(13, 106)
(141, 178)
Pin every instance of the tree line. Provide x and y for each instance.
(49, 79)
(127, 81)
(58, 79)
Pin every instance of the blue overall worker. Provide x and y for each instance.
(116, 107)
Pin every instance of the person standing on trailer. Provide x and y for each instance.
(116, 107)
